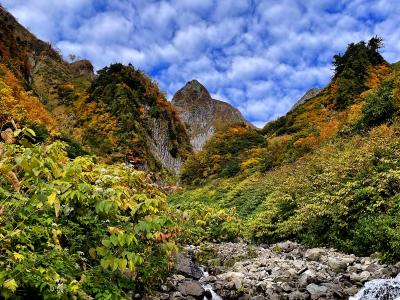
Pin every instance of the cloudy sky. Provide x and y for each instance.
(258, 55)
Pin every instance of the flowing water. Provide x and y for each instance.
(209, 287)
(380, 289)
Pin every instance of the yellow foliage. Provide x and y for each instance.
(250, 163)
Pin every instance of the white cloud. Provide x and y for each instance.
(260, 56)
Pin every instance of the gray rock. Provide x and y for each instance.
(191, 288)
(362, 277)
(316, 290)
(258, 297)
(297, 295)
(314, 254)
(185, 266)
(337, 264)
(285, 246)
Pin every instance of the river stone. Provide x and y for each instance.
(297, 295)
(337, 264)
(286, 246)
(314, 254)
(191, 288)
(316, 290)
(362, 277)
(185, 266)
(258, 297)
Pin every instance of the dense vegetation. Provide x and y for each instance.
(222, 154)
(72, 227)
(76, 229)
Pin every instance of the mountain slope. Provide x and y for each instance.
(201, 114)
(126, 116)
(121, 115)
(328, 171)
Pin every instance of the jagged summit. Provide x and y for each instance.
(202, 114)
(193, 92)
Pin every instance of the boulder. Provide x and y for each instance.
(258, 297)
(314, 254)
(316, 290)
(286, 246)
(185, 266)
(297, 295)
(191, 288)
(361, 277)
(337, 264)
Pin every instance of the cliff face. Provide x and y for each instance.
(202, 114)
(127, 114)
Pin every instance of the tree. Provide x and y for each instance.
(352, 69)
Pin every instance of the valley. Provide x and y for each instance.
(110, 191)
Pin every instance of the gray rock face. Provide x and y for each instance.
(202, 114)
(311, 93)
(159, 142)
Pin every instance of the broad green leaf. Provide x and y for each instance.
(53, 200)
(11, 285)
(122, 264)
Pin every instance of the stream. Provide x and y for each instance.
(210, 293)
(382, 289)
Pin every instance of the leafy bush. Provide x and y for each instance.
(75, 229)
(202, 223)
(379, 107)
(325, 198)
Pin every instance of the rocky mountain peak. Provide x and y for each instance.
(202, 114)
(192, 93)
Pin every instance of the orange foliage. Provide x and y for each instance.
(19, 104)
(377, 74)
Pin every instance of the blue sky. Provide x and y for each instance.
(258, 55)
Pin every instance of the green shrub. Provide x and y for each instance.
(76, 229)
(379, 107)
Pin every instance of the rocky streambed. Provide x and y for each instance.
(281, 271)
